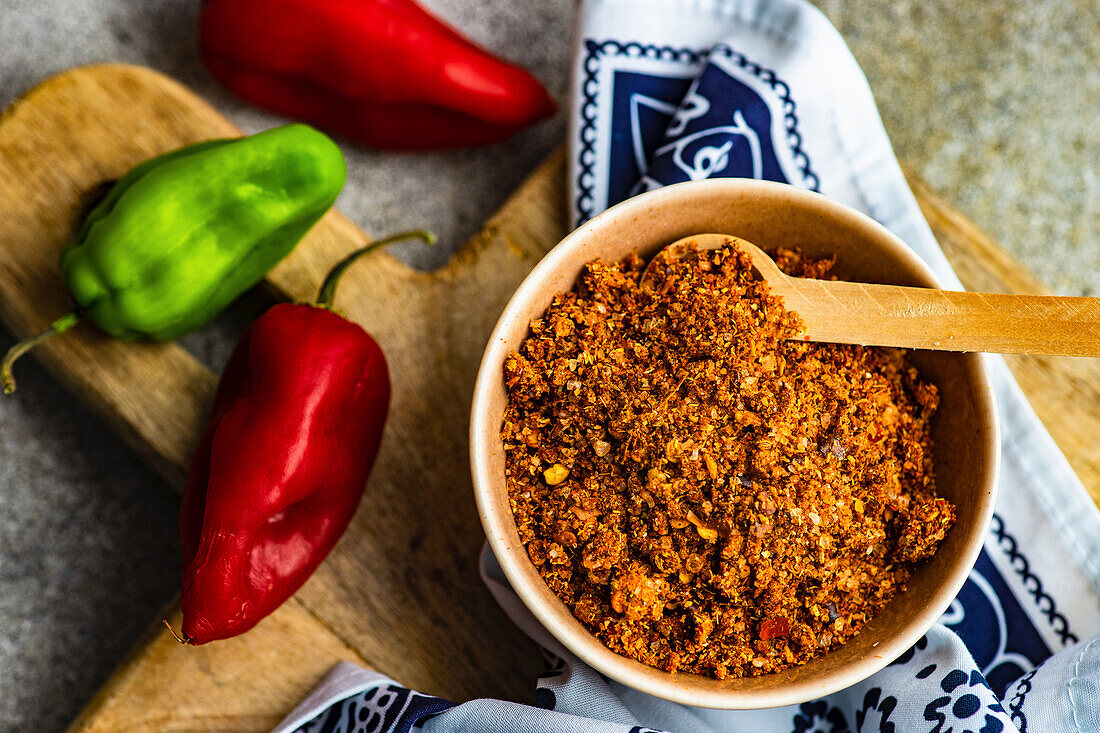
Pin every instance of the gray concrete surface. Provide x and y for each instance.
(994, 103)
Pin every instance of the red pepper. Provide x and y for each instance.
(773, 628)
(383, 72)
(281, 468)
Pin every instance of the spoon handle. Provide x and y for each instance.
(945, 320)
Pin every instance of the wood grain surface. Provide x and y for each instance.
(400, 592)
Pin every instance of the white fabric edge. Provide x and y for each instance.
(343, 680)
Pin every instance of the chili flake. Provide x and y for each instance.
(705, 494)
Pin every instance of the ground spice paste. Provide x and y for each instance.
(705, 495)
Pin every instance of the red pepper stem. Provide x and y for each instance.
(180, 639)
(61, 325)
(327, 294)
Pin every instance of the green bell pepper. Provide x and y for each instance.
(182, 235)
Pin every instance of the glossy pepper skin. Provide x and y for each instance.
(280, 470)
(383, 72)
(182, 235)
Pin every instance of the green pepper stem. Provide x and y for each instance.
(327, 294)
(61, 325)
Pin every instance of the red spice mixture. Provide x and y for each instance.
(703, 494)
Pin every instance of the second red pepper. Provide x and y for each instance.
(383, 72)
(280, 470)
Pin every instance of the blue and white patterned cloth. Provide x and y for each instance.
(675, 90)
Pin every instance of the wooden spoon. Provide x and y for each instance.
(840, 312)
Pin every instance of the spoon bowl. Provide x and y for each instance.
(764, 265)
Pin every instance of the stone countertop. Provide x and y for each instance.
(993, 103)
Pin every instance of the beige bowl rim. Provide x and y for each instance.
(551, 612)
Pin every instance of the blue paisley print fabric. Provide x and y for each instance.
(681, 90)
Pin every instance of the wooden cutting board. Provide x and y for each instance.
(400, 593)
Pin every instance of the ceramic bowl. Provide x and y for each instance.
(769, 215)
